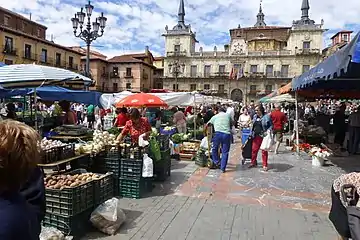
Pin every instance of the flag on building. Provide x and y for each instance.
(240, 73)
(231, 76)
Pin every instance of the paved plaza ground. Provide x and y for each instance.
(291, 201)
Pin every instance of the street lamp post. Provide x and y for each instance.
(88, 33)
(176, 68)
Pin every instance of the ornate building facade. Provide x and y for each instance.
(257, 60)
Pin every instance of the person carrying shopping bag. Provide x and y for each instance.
(262, 125)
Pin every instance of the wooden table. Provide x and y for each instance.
(62, 164)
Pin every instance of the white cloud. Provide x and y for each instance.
(134, 24)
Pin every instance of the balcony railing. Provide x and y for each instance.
(73, 67)
(29, 56)
(176, 54)
(9, 50)
(128, 75)
(308, 51)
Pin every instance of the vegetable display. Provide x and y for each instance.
(68, 181)
(100, 140)
(47, 144)
(179, 137)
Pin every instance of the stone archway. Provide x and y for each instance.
(237, 95)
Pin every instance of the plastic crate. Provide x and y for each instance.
(50, 155)
(113, 152)
(162, 169)
(70, 201)
(131, 168)
(134, 188)
(108, 165)
(76, 226)
(201, 159)
(164, 142)
(104, 188)
(67, 151)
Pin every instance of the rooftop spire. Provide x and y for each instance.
(260, 17)
(181, 13)
(305, 10)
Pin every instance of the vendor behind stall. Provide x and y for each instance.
(136, 126)
(70, 116)
(121, 118)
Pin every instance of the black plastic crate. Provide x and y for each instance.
(77, 226)
(67, 151)
(134, 188)
(162, 169)
(201, 159)
(104, 188)
(113, 152)
(50, 155)
(131, 168)
(164, 142)
(70, 201)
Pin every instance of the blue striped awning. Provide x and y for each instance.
(32, 75)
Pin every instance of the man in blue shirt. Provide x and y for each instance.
(222, 138)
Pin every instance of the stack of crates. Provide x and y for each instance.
(162, 168)
(69, 209)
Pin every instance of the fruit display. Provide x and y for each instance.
(169, 128)
(100, 140)
(190, 146)
(62, 181)
(47, 144)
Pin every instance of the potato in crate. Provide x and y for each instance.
(71, 193)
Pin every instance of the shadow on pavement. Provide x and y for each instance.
(280, 167)
(348, 163)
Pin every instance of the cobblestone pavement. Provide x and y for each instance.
(291, 201)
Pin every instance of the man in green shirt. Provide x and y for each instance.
(222, 137)
(90, 111)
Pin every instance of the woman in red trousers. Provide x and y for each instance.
(261, 124)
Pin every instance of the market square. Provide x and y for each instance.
(179, 120)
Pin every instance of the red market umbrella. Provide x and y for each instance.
(141, 100)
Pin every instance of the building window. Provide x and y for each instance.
(192, 87)
(9, 45)
(115, 71)
(345, 38)
(193, 71)
(43, 57)
(8, 62)
(71, 62)
(175, 87)
(306, 45)
(221, 68)
(27, 52)
(58, 59)
(128, 72)
(38, 33)
(207, 70)
(269, 70)
(6, 20)
(284, 70)
(305, 68)
(115, 87)
(221, 88)
(268, 88)
(253, 68)
(206, 86)
(177, 48)
(128, 86)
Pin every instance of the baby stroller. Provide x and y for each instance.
(246, 141)
(346, 219)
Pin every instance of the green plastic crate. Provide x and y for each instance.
(76, 226)
(70, 201)
(162, 169)
(104, 188)
(131, 168)
(134, 188)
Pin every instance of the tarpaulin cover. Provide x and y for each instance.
(340, 71)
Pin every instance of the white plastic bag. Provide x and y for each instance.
(98, 124)
(204, 143)
(51, 233)
(142, 142)
(148, 166)
(268, 141)
(108, 217)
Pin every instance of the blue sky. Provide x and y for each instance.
(134, 24)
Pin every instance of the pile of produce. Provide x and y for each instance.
(190, 146)
(62, 181)
(46, 144)
(100, 140)
(168, 128)
(179, 137)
